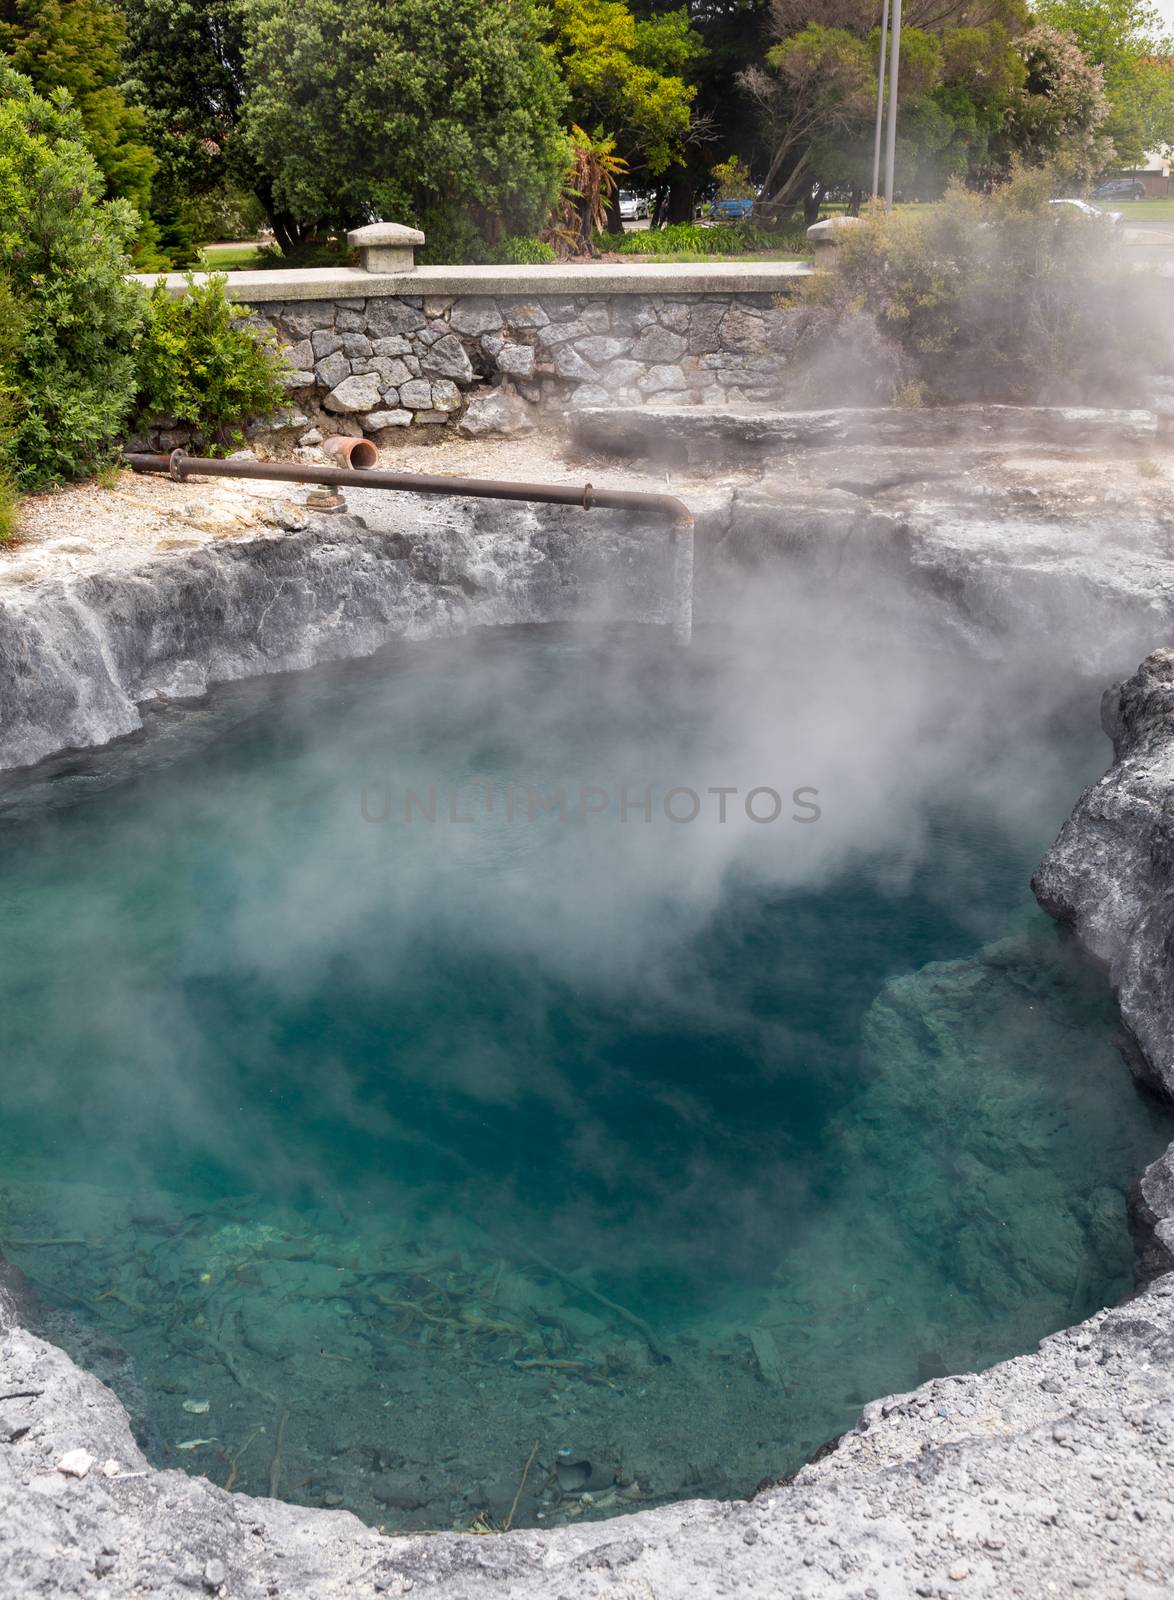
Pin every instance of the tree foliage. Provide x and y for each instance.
(357, 109)
(628, 77)
(1058, 113)
(77, 45)
(63, 251)
(1128, 41)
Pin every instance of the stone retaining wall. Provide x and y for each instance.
(379, 364)
(485, 347)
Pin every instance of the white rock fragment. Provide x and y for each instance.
(75, 1463)
(109, 1468)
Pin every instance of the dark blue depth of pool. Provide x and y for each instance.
(665, 1144)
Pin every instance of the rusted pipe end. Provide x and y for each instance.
(348, 452)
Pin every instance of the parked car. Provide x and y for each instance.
(730, 210)
(632, 206)
(1093, 213)
(1120, 189)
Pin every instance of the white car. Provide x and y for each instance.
(1090, 211)
(632, 206)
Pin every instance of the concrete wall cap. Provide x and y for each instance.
(383, 233)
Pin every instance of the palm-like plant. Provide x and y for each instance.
(590, 179)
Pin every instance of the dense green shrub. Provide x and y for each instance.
(982, 297)
(523, 251)
(202, 362)
(690, 238)
(64, 253)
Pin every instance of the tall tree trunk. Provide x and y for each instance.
(615, 223)
(680, 206)
(854, 200)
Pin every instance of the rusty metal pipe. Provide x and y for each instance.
(178, 466)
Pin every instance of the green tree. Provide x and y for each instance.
(63, 251)
(77, 45)
(186, 59)
(627, 77)
(1127, 40)
(1058, 114)
(425, 109)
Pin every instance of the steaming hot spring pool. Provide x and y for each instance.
(370, 1159)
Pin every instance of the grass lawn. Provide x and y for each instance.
(1139, 211)
(229, 257)
(696, 255)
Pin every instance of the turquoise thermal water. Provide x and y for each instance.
(413, 1141)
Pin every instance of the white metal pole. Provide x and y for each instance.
(880, 101)
(894, 72)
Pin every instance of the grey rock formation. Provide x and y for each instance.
(78, 656)
(497, 411)
(1110, 874)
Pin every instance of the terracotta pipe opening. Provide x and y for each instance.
(350, 452)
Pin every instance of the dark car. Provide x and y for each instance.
(1120, 189)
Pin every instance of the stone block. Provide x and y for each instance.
(492, 344)
(661, 378)
(632, 316)
(393, 345)
(742, 330)
(448, 358)
(300, 317)
(359, 393)
(392, 315)
(624, 374)
(416, 394)
(333, 370)
(568, 363)
(296, 380)
(301, 355)
(445, 395)
(351, 317)
(325, 342)
(596, 316)
(658, 344)
(496, 411)
(475, 314)
(435, 305)
(380, 421)
(516, 360)
(600, 348)
(432, 419)
(390, 370)
(674, 315)
(704, 323)
(524, 314)
(590, 394)
(356, 345)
